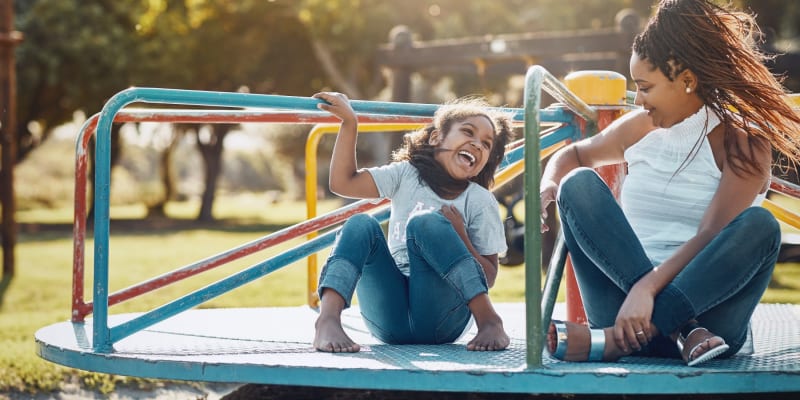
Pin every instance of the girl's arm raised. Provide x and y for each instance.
(346, 179)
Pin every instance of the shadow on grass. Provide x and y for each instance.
(38, 232)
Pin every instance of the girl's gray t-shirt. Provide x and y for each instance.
(400, 182)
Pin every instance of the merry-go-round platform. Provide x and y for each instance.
(273, 346)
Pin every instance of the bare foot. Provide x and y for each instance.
(579, 342)
(330, 337)
(491, 337)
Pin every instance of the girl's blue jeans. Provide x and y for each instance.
(427, 307)
(720, 287)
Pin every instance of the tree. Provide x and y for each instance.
(225, 45)
(76, 55)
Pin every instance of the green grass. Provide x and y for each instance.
(40, 292)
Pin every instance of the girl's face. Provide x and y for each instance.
(665, 101)
(464, 150)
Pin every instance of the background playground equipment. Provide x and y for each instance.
(273, 345)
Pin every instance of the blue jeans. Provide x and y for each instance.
(427, 307)
(720, 287)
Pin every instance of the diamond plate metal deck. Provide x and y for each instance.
(273, 346)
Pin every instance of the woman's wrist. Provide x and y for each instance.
(645, 286)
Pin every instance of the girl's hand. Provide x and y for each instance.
(455, 218)
(337, 104)
(547, 192)
(632, 329)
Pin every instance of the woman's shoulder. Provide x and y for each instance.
(746, 145)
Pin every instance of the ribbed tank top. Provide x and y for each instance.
(671, 179)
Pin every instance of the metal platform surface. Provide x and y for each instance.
(273, 346)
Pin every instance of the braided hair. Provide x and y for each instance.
(719, 45)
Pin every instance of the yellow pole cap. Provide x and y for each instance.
(598, 88)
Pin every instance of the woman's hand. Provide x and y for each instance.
(547, 191)
(633, 328)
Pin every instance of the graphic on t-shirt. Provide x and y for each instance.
(399, 231)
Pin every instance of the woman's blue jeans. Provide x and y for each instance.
(720, 287)
(427, 307)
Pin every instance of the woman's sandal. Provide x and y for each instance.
(558, 347)
(691, 337)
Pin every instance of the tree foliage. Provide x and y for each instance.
(78, 53)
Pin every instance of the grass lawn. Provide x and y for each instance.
(39, 294)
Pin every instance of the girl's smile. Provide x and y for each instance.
(465, 149)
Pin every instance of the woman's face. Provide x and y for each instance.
(466, 147)
(665, 101)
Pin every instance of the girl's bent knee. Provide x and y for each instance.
(362, 221)
(427, 222)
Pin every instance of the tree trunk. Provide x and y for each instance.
(8, 125)
(212, 165)
(166, 175)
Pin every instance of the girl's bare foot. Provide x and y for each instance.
(491, 337)
(578, 339)
(330, 337)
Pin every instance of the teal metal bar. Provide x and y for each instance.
(555, 271)
(536, 79)
(566, 132)
(534, 339)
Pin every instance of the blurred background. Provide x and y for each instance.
(75, 54)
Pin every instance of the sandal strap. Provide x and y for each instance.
(686, 353)
(598, 344)
(686, 331)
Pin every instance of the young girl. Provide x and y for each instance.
(679, 267)
(424, 284)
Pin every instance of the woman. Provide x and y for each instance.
(678, 267)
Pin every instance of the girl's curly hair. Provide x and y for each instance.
(421, 154)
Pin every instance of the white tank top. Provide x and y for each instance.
(671, 179)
